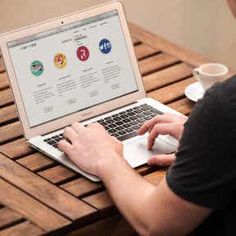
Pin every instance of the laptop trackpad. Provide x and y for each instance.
(136, 153)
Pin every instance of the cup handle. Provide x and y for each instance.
(196, 74)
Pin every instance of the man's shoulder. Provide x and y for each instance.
(222, 94)
(226, 88)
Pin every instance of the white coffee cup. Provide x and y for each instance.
(209, 74)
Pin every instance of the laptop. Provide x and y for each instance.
(81, 67)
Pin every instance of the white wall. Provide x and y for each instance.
(203, 25)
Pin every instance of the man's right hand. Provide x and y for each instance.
(166, 124)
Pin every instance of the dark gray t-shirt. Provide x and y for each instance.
(205, 169)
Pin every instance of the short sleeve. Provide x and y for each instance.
(204, 171)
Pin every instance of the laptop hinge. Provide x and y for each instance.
(93, 117)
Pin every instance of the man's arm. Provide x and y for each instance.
(151, 210)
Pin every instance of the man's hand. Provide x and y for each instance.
(167, 124)
(90, 147)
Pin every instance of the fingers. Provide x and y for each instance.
(68, 149)
(64, 146)
(162, 160)
(147, 126)
(77, 126)
(159, 129)
(70, 134)
(96, 126)
(165, 118)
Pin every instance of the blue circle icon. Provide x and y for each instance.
(105, 46)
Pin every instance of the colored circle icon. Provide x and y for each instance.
(105, 46)
(60, 60)
(83, 53)
(37, 68)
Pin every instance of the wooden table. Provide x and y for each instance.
(38, 195)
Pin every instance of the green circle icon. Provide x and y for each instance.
(37, 68)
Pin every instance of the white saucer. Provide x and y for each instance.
(194, 91)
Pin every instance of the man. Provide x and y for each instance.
(200, 186)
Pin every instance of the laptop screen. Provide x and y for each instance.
(72, 67)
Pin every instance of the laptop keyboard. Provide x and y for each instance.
(123, 125)
(54, 140)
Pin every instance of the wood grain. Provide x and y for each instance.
(156, 177)
(8, 113)
(184, 106)
(167, 76)
(185, 55)
(23, 229)
(16, 149)
(156, 63)
(4, 83)
(8, 217)
(10, 132)
(34, 211)
(135, 40)
(113, 225)
(81, 186)
(100, 201)
(42, 190)
(57, 174)
(143, 50)
(6, 97)
(36, 161)
(103, 201)
(2, 67)
(171, 92)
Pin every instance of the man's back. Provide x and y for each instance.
(205, 168)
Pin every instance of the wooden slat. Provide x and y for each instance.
(5, 97)
(156, 63)
(113, 225)
(135, 40)
(184, 106)
(166, 76)
(156, 41)
(57, 174)
(184, 54)
(42, 190)
(4, 83)
(36, 161)
(81, 186)
(156, 177)
(31, 209)
(8, 217)
(11, 131)
(171, 92)
(2, 68)
(102, 200)
(8, 113)
(143, 50)
(26, 229)
(17, 148)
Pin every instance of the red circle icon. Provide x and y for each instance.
(83, 53)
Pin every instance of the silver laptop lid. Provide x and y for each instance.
(74, 71)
